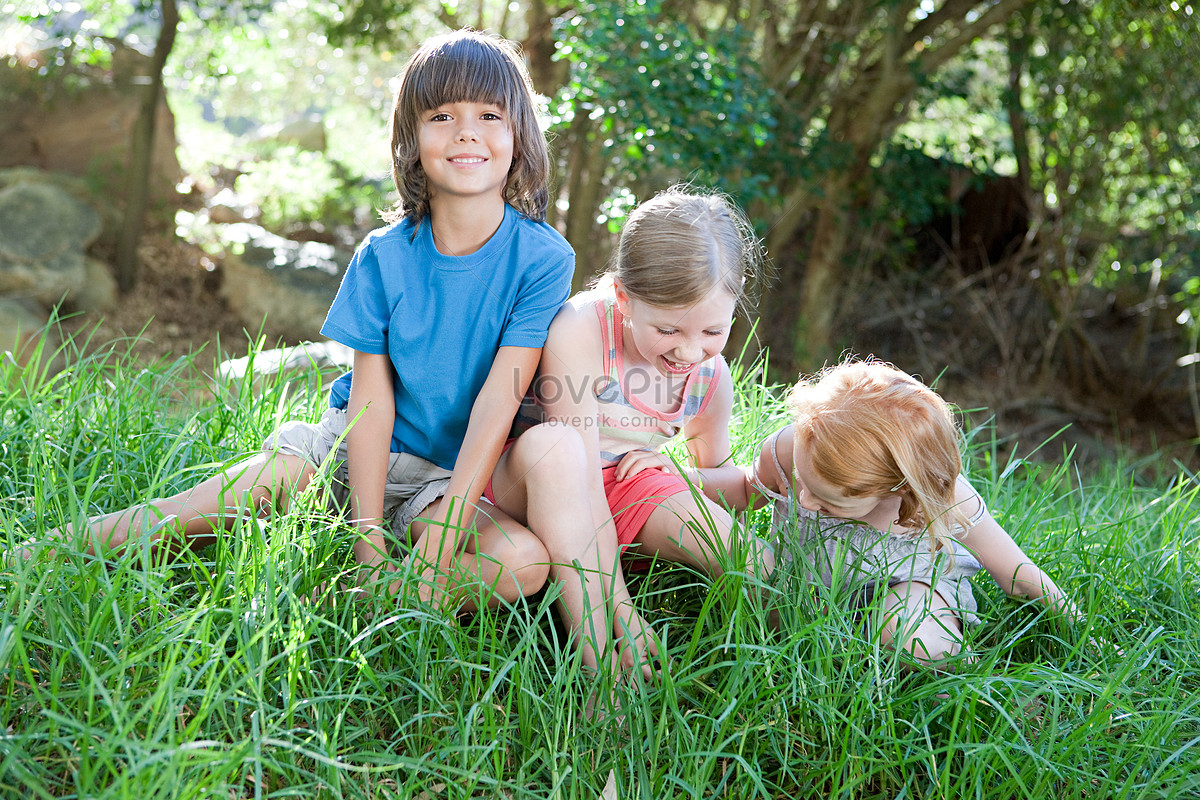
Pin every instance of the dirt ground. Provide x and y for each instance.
(175, 310)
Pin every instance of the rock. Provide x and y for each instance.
(308, 363)
(99, 290)
(226, 208)
(110, 215)
(321, 356)
(226, 215)
(89, 133)
(279, 286)
(43, 234)
(22, 328)
(306, 133)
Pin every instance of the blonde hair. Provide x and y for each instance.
(872, 430)
(678, 246)
(472, 67)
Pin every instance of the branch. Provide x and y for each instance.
(953, 10)
(933, 58)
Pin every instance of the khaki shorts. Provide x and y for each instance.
(412, 482)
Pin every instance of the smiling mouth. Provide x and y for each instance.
(675, 367)
(467, 159)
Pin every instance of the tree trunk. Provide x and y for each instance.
(813, 329)
(142, 152)
(586, 181)
(546, 73)
(864, 111)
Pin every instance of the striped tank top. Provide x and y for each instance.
(625, 423)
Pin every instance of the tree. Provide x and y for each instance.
(849, 72)
(1104, 119)
(787, 105)
(141, 150)
(651, 99)
(83, 31)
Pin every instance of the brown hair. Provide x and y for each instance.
(872, 430)
(468, 66)
(679, 245)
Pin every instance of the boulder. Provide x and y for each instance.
(308, 363)
(110, 216)
(306, 133)
(23, 327)
(281, 287)
(99, 292)
(87, 133)
(44, 232)
(321, 356)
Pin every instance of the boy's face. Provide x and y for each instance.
(466, 150)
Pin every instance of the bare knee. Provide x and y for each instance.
(712, 528)
(524, 566)
(530, 565)
(933, 641)
(280, 479)
(916, 619)
(549, 450)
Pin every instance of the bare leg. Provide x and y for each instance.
(503, 556)
(695, 531)
(917, 619)
(543, 481)
(258, 485)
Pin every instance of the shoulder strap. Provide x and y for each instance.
(755, 479)
(610, 330)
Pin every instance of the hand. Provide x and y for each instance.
(439, 534)
(637, 644)
(430, 580)
(1099, 645)
(635, 461)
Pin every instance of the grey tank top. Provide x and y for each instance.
(864, 557)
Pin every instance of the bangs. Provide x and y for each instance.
(466, 71)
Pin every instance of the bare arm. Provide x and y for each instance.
(707, 440)
(1006, 562)
(743, 490)
(487, 430)
(708, 444)
(371, 413)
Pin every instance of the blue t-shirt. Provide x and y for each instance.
(442, 318)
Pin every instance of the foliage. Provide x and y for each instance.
(233, 82)
(80, 31)
(1109, 106)
(790, 106)
(830, 120)
(1111, 101)
(293, 188)
(218, 675)
(665, 101)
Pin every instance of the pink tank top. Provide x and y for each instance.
(626, 424)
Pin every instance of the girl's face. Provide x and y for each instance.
(819, 495)
(466, 150)
(675, 341)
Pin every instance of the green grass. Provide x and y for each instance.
(213, 677)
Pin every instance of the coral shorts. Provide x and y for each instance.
(633, 500)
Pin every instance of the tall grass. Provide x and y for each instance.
(215, 676)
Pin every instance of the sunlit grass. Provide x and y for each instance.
(216, 676)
